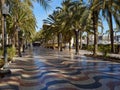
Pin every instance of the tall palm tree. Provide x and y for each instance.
(70, 20)
(79, 21)
(2, 20)
(53, 22)
(94, 15)
(71, 13)
(21, 16)
(110, 10)
(16, 3)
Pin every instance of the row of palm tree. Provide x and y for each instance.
(76, 17)
(21, 22)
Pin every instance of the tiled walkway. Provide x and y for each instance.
(52, 70)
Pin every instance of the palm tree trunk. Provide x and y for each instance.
(77, 41)
(69, 45)
(111, 33)
(80, 40)
(95, 19)
(26, 43)
(70, 41)
(53, 42)
(23, 45)
(8, 40)
(61, 49)
(13, 37)
(118, 49)
(58, 39)
(87, 40)
(115, 36)
(19, 42)
(2, 22)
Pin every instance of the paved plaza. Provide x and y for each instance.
(46, 69)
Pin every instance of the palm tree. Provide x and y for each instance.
(2, 20)
(70, 21)
(15, 4)
(21, 16)
(73, 12)
(16, 18)
(111, 9)
(54, 23)
(94, 16)
(80, 23)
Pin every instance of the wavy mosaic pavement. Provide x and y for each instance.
(45, 69)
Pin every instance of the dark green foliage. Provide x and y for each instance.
(11, 52)
(105, 49)
(1, 63)
(90, 48)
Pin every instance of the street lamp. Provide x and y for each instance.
(5, 12)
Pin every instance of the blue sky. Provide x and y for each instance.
(41, 14)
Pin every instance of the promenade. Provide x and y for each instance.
(46, 69)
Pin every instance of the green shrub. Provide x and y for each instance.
(1, 63)
(90, 48)
(1, 59)
(11, 52)
(116, 47)
(105, 49)
(1, 52)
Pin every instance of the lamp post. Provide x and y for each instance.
(5, 12)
